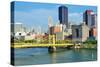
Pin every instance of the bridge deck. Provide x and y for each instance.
(26, 45)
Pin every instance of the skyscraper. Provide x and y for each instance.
(63, 15)
(89, 18)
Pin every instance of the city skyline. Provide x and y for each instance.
(44, 33)
(32, 14)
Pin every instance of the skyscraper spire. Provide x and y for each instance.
(49, 21)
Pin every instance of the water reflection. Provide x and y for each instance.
(53, 57)
(31, 56)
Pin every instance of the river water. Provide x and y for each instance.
(33, 56)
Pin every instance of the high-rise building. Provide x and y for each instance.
(63, 15)
(89, 18)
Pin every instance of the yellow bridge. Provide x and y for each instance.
(51, 45)
(26, 45)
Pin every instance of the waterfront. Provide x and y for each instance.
(33, 56)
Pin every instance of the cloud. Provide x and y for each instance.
(74, 14)
(75, 18)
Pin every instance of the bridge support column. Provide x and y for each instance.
(52, 49)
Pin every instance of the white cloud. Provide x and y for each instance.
(75, 18)
(75, 14)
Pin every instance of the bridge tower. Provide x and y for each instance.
(51, 38)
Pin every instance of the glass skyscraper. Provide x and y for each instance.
(63, 15)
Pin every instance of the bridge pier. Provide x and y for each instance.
(52, 49)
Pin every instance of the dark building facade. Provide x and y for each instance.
(63, 15)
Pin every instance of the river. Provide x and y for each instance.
(33, 56)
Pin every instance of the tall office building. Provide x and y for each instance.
(63, 15)
(89, 18)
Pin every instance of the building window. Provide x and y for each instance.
(77, 33)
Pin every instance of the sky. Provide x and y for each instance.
(35, 15)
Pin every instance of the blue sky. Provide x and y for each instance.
(36, 14)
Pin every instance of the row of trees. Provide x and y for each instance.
(90, 44)
(47, 41)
